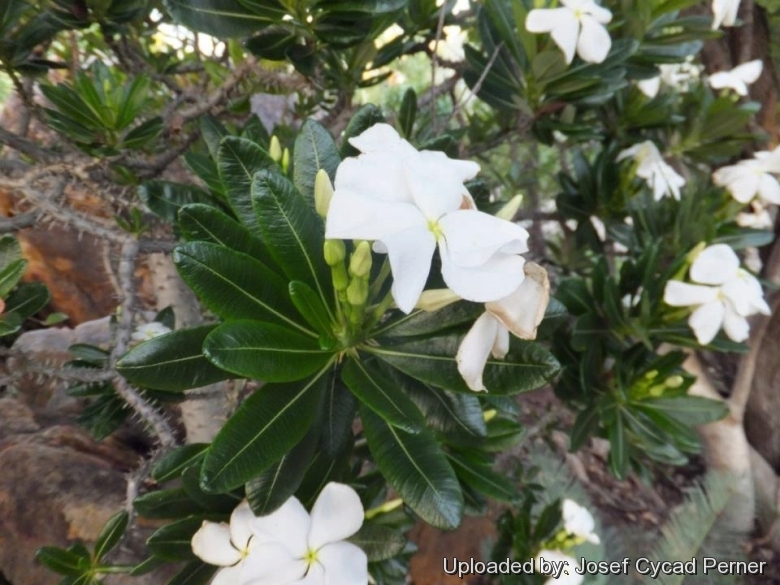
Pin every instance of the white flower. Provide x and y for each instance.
(554, 558)
(724, 12)
(578, 521)
(731, 294)
(576, 25)
(227, 546)
(295, 547)
(149, 331)
(519, 313)
(738, 78)
(675, 75)
(759, 218)
(409, 202)
(752, 177)
(659, 176)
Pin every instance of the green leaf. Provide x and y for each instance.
(408, 113)
(382, 395)
(143, 134)
(690, 410)
(10, 276)
(213, 503)
(194, 573)
(425, 323)
(415, 467)
(234, 285)
(482, 478)
(111, 534)
(618, 453)
(27, 299)
(278, 483)
(171, 503)
(292, 230)
(61, 561)
(311, 307)
(10, 251)
(175, 462)
(379, 542)
(314, 150)
(173, 542)
(166, 198)
(456, 416)
(585, 424)
(265, 427)
(172, 362)
(239, 159)
(338, 413)
(263, 351)
(526, 367)
(220, 18)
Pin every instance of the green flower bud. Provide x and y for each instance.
(357, 292)
(334, 251)
(323, 192)
(674, 381)
(340, 278)
(509, 210)
(275, 149)
(286, 160)
(360, 261)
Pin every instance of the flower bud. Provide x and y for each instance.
(360, 261)
(509, 210)
(675, 381)
(286, 160)
(275, 149)
(323, 192)
(438, 298)
(357, 292)
(334, 252)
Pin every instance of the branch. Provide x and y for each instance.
(18, 222)
(25, 146)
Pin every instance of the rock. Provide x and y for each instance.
(57, 487)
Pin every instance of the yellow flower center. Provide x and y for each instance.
(310, 557)
(579, 13)
(435, 229)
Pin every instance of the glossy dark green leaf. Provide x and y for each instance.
(503, 434)
(173, 542)
(415, 467)
(379, 542)
(481, 477)
(144, 133)
(27, 299)
(10, 276)
(60, 561)
(170, 503)
(166, 198)
(311, 307)
(408, 113)
(526, 367)
(239, 160)
(111, 534)
(220, 18)
(382, 395)
(194, 573)
(213, 503)
(172, 362)
(278, 483)
(10, 250)
(690, 410)
(175, 462)
(314, 150)
(265, 427)
(292, 230)
(338, 412)
(204, 223)
(618, 443)
(236, 286)
(424, 323)
(263, 351)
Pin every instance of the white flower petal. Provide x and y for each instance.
(337, 514)
(495, 279)
(650, 87)
(543, 20)
(565, 34)
(741, 180)
(682, 294)
(288, 526)
(745, 295)
(523, 310)
(383, 139)
(473, 237)
(600, 13)
(374, 176)
(211, 543)
(568, 576)
(228, 575)
(594, 42)
(315, 576)
(706, 321)
(501, 344)
(352, 216)
(271, 564)
(436, 182)
(410, 252)
(749, 72)
(736, 327)
(579, 521)
(769, 189)
(241, 525)
(715, 264)
(344, 563)
(474, 350)
(724, 12)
